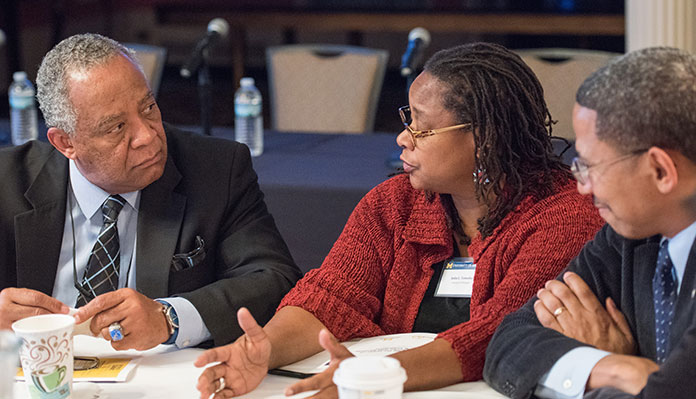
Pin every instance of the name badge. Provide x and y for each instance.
(457, 278)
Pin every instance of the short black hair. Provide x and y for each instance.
(645, 98)
(492, 88)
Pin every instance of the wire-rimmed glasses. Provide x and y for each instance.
(405, 114)
(581, 170)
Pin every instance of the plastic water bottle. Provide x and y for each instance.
(24, 125)
(248, 122)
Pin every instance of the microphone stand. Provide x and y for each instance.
(205, 92)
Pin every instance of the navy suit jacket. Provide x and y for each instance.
(208, 189)
(522, 351)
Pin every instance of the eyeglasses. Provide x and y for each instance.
(581, 170)
(405, 114)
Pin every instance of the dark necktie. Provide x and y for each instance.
(102, 271)
(665, 296)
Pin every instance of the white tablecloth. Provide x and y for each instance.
(166, 373)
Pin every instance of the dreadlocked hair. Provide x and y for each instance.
(493, 89)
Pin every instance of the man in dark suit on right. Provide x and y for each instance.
(621, 321)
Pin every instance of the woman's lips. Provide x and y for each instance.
(408, 168)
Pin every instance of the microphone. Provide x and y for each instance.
(418, 40)
(217, 29)
(2, 38)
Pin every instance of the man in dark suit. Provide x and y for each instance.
(121, 210)
(621, 321)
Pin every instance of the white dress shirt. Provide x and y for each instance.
(568, 376)
(83, 210)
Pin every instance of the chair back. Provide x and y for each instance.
(561, 72)
(324, 88)
(152, 59)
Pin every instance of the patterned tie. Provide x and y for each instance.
(665, 296)
(104, 262)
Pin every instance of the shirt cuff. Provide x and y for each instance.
(192, 329)
(568, 376)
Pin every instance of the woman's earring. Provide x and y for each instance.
(477, 176)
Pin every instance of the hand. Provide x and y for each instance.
(627, 373)
(141, 318)
(243, 363)
(18, 303)
(582, 316)
(324, 380)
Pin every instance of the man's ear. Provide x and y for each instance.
(62, 141)
(664, 169)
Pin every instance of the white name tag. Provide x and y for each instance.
(457, 278)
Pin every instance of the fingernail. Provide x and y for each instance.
(539, 292)
(289, 392)
(566, 275)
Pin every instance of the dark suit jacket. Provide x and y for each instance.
(521, 350)
(208, 189)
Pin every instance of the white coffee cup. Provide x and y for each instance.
(370, 377)
(46, 355)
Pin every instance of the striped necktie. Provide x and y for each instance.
(102, 271)
(665, 296)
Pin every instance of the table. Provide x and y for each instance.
(312, 182)
(166, 373)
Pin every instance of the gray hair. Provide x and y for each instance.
(645, 98)
(77, 53)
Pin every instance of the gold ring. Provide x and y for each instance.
(558, 311)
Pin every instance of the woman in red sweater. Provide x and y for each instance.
(481, 185)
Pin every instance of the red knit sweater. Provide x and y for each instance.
(374, 278)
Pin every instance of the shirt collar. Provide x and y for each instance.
(679, 248)
(90, 197)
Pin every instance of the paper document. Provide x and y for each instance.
(108, 370)
(382, 345)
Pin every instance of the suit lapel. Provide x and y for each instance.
(39, 231)
(684, 308)
(643, 271)
(159, 221)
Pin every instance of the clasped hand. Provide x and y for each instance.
(573, 310)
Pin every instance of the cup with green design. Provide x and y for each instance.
(46, 354)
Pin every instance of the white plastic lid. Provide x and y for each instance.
(370, 373)
(245, 82)
(19, 76)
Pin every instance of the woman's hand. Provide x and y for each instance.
(323, 382)
(243, 363)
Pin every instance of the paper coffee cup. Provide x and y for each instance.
(370, 377)
(46, 355)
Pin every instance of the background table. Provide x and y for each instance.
(312, 182)
(166, 373)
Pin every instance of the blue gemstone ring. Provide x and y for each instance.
(116, 331)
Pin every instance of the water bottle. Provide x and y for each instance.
(248, 122)
(24, 125)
